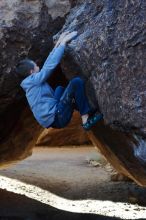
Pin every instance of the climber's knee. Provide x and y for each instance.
(77, 81)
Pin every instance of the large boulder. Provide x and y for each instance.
(26, 30)
(110, 52)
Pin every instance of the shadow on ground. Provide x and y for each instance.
(113, 191)
(19, 207)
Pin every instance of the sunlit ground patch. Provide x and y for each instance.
(105, 208)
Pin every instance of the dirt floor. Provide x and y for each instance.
(67, 183)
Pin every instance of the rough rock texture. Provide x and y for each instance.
(26, 29)
(73, 134)
(110, 51)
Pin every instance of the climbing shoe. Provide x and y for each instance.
(92, 121)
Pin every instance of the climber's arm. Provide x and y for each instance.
(54, 58)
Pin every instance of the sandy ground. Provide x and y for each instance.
(64, 183)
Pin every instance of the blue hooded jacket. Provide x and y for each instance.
(39, 94)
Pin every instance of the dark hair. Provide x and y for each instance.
(24, 67)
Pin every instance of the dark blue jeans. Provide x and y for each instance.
(70, 99)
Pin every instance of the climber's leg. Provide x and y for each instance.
(73, 98)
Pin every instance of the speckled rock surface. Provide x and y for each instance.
(110, 50)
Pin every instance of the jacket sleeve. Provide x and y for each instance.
(50, 64)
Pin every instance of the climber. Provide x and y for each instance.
(54, 108)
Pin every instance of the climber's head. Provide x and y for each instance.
(26, 67)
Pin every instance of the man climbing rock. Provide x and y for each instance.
(55, 108)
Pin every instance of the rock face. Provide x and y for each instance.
(21, 140)
(72, 135)
(110, 51)
(26, 29)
